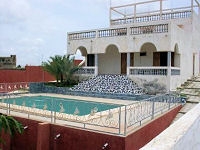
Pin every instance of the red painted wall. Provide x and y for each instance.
(30, 74)
(144, 135)
(40, 136)
(77, 62)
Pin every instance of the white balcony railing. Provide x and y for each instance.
(153, 17)
(82, 35)
(112, 32)
(175, 71)
(87, 71)
(161, 28)
(156, 71)
(162, 71)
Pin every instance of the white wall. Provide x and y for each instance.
(141, 79)
(184, 134)
(110, 62)
(175, 82)
(143, 60)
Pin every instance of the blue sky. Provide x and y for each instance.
(34, 30)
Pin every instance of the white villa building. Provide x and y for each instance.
(160, 46)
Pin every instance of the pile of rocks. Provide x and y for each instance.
(119, 84)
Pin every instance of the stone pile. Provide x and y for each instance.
(115, 84)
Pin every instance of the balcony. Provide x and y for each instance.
(113, 32)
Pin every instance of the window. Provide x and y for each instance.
(143, 54)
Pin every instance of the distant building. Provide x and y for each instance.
(8, 62)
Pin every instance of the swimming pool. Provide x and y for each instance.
(63, 105)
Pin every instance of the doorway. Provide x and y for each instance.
(123, 63)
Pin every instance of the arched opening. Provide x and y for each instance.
(81, 56)
(176, 57)
(146, 55)
(110, 61)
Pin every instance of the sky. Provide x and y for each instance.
(34, 30)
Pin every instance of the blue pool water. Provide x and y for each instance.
(64, 105)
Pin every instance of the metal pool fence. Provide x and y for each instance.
(11, 87)
(114, 119)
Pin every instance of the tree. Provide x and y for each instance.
(69, 69)
(53, 66)
(10, 125)
(61, 67)
(19, 67)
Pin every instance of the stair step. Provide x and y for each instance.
(194, 80)
(195, 100)
(187, 107)
(191, 88)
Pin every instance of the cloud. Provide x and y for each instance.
(34, 30)
(35, 42)
(12, 11)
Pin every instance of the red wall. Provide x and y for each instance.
(30, 74)
(77, 62)
(144, 135)
(40, 136)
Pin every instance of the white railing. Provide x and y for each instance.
(112, 32)
(82, 35)
(162, 71)
(175, 71)
(153, 17)
(87, 70)
(160, 28)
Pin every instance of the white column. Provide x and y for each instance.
(135, 11)
(169, 70)
(128, 64)
(161, 9)
(192, 7)
(96, 64)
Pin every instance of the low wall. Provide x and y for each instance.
(145, 134)
(182, 135)
(29, 74)
(41, 136)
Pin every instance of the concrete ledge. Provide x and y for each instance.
(182, 135)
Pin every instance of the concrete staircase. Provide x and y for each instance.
(117, 84)
(191, 89)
